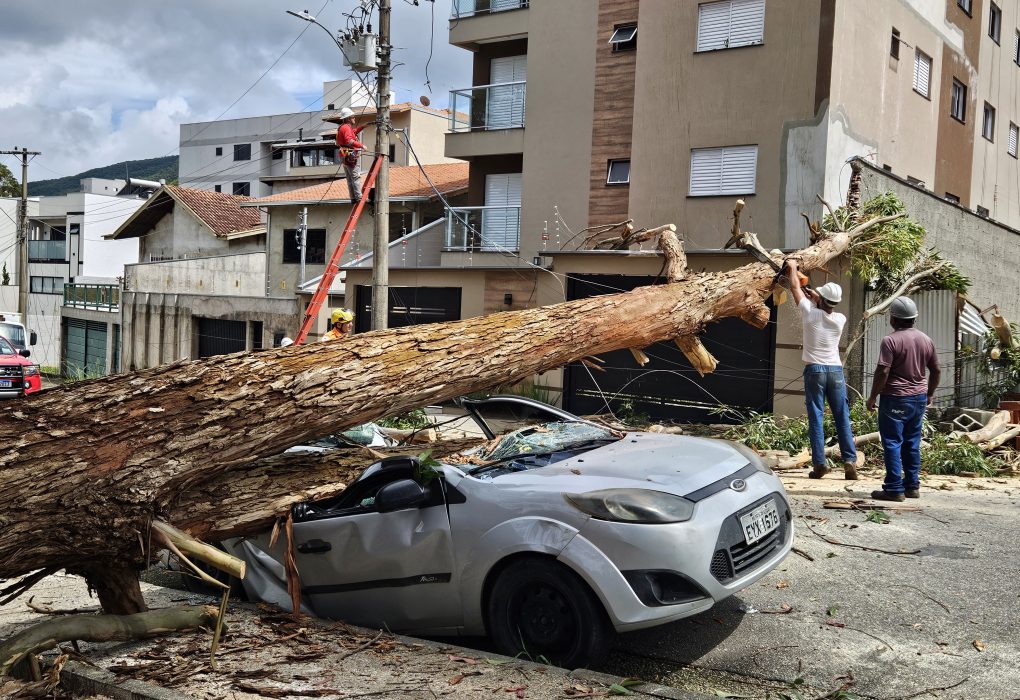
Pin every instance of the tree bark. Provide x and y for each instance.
(88, 466)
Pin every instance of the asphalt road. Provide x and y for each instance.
(884, 625)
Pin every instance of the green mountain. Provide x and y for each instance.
(157, 169)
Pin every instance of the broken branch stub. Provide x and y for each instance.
(697, 354)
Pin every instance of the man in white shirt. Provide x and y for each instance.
(823, 372)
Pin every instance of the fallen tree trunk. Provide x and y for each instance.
(87, 467)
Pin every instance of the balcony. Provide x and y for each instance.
(47, 251)
(474, 22)
(484, 229)
(487, 120)
(102, 297)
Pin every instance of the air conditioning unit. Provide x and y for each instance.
(360, 53)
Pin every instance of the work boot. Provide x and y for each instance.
(887, 496)
(817, 472)
(849, 471)
(912, 493)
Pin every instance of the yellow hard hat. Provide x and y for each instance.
(341, 316)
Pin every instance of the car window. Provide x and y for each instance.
(13, 333)
(545, 438)
(500, 414)
(6, 348)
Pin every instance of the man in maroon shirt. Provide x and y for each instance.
(900, 381)
(350, 147)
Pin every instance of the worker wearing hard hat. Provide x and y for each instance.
(823, 372)
(350, 147)
(340, 323)
(900, 380)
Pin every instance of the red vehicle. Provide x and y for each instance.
(18, 375)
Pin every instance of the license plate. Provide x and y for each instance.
(6, 383)
(760, 522)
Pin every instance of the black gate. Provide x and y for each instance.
(668, 387)
(409, 306)
(220, 337)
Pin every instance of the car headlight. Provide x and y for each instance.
(751, 456)
(633, 506)
(31, 370)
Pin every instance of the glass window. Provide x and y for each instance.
(619, 172)
(242, 189)
(994, 22)
(988, 123)
(965, 5)
(47, 285)
(315, 239)
(242, 151)
(894, 48)
(624, 38)
(958, 101)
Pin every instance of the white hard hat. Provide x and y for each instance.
(346, 112)
(831, 292)
(285, 342)
(903, 307)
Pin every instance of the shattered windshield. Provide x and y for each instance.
(543, 439)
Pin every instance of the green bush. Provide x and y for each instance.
(945, 456)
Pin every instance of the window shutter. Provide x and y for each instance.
(1011, 148)
(729, 170)
(747, 22)
(713, 25)
(500, 227)
(922, 73)
(706, 172)
(505, 105)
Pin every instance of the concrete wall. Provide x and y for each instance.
(9, 236)
(103, 215)
(228, 275)
(109, 318)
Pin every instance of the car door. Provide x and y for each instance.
(381, 569)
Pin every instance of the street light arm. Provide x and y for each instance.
(308, 18)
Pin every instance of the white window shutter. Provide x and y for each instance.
(723, 171)
(747, 22)
(713, 25)
(501, 227)
(1013, 133)
(922, 73)
(706, 172)
(505, 105)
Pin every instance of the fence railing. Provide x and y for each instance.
(47, 250)
(105, 297)
(488, 107)
(469, 8)
(496, 229)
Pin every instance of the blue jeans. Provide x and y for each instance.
(826, 383)
(899, 423)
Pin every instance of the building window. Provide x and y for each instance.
(47, 285)
(315, 239)
(894, 47)
(886, 167)
(922, 73)
(994, 22)
(982, 212)
(242, 151)
(1016, 48)
(730, 23)
(958, 101)
(915, 182)
(256, 335)
(393, 152)
(242, 189)
(988, 123)
(1014, 134)
(219, 150)
(218, 188)
(313, 157)
(619, 172)
(624, 38)
(965, 5)
(277, 153)
(950, 197)
(722, 171)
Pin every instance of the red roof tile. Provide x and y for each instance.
(405, 182)
(221, 212)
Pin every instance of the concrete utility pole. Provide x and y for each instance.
(23, 279)
(381, 231)
(302, 241)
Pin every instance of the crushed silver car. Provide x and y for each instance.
(549, 539)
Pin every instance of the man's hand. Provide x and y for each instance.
(931, 399)
(872, 403)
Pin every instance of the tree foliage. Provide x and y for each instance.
(9, 185)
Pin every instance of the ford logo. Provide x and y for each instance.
(738, 484)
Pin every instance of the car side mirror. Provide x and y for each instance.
(400, 495)
(32, 338)
(24, 353)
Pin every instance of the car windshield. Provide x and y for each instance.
(545, 439)
(13, 333)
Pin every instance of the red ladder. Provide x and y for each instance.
(333, 266)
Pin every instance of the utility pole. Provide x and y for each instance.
(302, 241)
(23, 279)
(381, 231)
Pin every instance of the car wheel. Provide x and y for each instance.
(542, 611)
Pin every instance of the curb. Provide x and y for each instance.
(87, 680)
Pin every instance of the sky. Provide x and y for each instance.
(94, 83)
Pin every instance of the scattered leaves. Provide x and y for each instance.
(833, 609)
(461, 676)
(877, 516)
(617, 689)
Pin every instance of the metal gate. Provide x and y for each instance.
(221, 337)
(409, 306)
(668, 387)
(84, 349)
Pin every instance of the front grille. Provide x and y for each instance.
(11, 371)
(734, 557)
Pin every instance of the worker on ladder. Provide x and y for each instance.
(350, 150)
(340, 323)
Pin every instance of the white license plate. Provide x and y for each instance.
(5, 383)
(760, 521)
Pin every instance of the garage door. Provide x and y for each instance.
(84, 348)
(409, 306)
(220, 337)
(668, 388)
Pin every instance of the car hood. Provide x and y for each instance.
(676, 464)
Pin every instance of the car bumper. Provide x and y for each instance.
(694, 550)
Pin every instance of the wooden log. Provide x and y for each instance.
(1001, 439)
(183, 543)
(418, 435)
(697, 354)
(996, 424)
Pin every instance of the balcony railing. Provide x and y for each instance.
(105, 297)
(468, 8)
(488, 107)
(47, 250)
(495, 229)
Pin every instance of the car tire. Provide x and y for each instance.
(542, 611)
